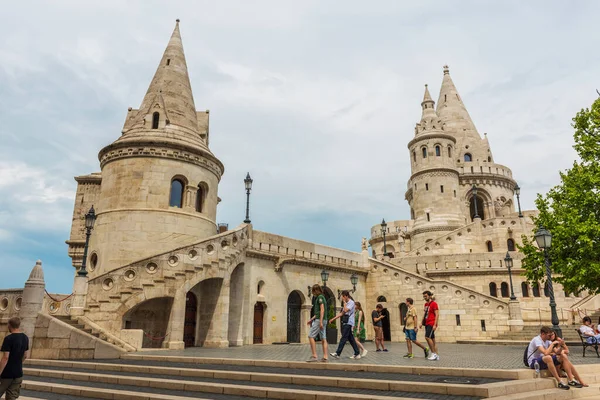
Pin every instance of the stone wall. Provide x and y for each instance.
(10, 305)
(57, 340)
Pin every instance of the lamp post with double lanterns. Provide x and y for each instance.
(509, 263)
(475, 202)
(90, 219)
(353, 281)
(383, 230)
(518, 193)
(543, 237)
(248, 185)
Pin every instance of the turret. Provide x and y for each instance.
(159, 179)
(433, 186)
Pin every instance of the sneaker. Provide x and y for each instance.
(312, 359)
(356, 357)
(386, 350)
(334, 355)
(378, 350)
(437, 357)
(575, 384)
(431, 357)
(563, 386)
(407, 355)
(410, 356)
(364, 353)
(426, 352)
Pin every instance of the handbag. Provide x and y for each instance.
(345, 319)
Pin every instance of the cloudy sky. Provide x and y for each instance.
(316, 99)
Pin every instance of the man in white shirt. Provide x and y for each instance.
(589, 331)
(540, 349)
(347, 316)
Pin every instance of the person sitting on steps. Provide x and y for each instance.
(562, 353)
(589, 331)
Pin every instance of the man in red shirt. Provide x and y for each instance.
(431, 318)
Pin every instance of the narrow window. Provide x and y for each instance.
(490, 247)
(504, 289)
(468, 157)
(472, 170)
(536, 289)
(489, 159)
(176, 197)
(424, 152)
(493, 289)
(455, 193)
(199, 199)
(483, 325)
(168, 61)
(438, 151)
(442, 188)
(457, 319)
(414, 156)
(525, 289)
(510, 244)
(428, 219)
(444, 98)
(155, 118)
(450, 151)
(427, 186)
(415, 186)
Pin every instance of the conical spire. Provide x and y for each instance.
(168, 108)
(428, 106)
(451, 109)
(36, 277)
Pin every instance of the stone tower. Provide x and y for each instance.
(434, 183)
(159, 180)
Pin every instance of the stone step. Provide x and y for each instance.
(589, 393)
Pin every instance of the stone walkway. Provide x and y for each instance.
(451, 355)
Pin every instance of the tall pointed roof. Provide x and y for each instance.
(451, 109)
(428, 106)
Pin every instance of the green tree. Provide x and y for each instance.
(571, 212)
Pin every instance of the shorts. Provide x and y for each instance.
(316, 331)
(410, 334)
(429, 332)
(378, 333)
(543, 365)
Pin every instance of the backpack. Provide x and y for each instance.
(526, 356)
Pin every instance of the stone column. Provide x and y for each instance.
(177, 321)
(304, 317)
(80, 287)
(219, 325)
(32, 300)
(515, 322)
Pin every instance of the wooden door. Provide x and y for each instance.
(189, 329)
(259, 313)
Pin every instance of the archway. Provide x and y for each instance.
(259, 317)
(294, 308)
(403, 310)
(480, 209)
(151, 316)
(385, 322)
(189, 327)
(331, 330)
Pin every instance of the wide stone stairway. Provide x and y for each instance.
(152, 377)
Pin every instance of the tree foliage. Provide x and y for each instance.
(571, 212)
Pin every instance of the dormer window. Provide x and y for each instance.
(155, 119)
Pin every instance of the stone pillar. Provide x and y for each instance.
(80, 287)
(177, 321)
(515, 322)
(304, 317)
(217, 335)
(32, 300)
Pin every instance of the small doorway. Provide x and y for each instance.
(294, 308)
(403, 311)
(387, 334)
(189, 330)
(259, 314)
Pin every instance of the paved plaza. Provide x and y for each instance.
(451, 355)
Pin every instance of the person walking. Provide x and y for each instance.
(14, 351)
(359, 328)
(430, 320)
(410, 329)
(317, 324)
(376, 317)
(347, 319)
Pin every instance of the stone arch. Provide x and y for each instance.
(493, 289)
(201, 193)
(294, 312)
(151, 316)
(177, 191)
(504, 289)
(484, 199)
(510, 245)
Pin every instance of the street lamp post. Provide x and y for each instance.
(248, 184)
(353, 281)
(518, 193)
(475, 202)
(324, 277)
(509, 263)
(543, 237)
(383, 229)
(90, 219)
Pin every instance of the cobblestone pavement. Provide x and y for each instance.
(451, 355)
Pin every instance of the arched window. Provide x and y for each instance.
(199, 198)
(381, 299)
(438, 151)
(546, 289)
(525, 289)
(176, 198)
(489, 159)
(490, 247)
(155, 119)
(424, 152)
(493, 289)
(480, 209)
(468, 157)
(510, 244)
(414, 156)
(449, 151)
(504, 289)
(536, 289)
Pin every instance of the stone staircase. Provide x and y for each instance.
(529, 331)
(152, 377)
(78, 323)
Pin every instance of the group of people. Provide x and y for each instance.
(352, 318)
(548, 351)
